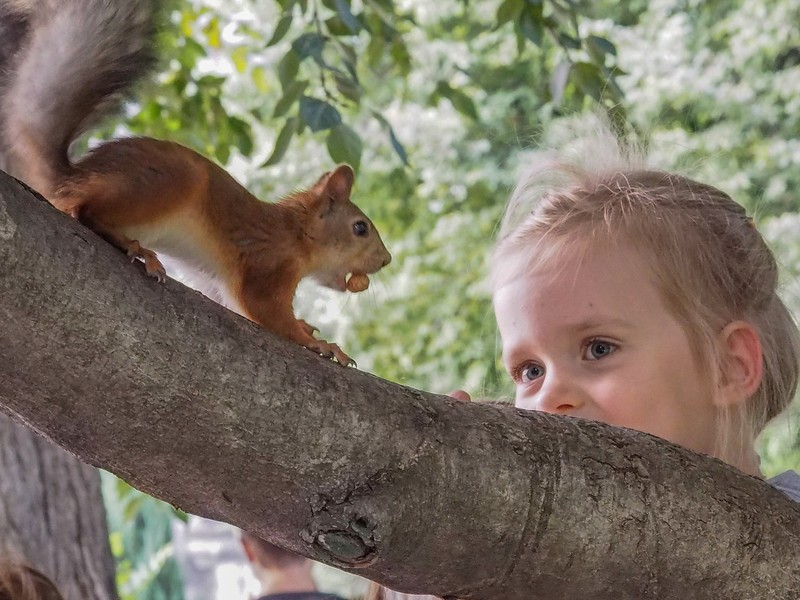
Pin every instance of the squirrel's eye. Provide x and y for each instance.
(360, 228)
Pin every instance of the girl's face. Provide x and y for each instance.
(591, 337)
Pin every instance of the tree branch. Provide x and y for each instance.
(197, 406)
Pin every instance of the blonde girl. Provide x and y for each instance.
(643, 299)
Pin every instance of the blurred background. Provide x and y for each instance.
(438, 105)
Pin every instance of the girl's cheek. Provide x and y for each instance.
(523, 400)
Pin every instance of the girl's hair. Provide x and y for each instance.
(22, 582)
(711, 264)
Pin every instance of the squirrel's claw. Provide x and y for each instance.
(308, 327)
(329, 350)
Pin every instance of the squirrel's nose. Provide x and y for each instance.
(387, 260)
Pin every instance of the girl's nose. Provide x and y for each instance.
(559, 395)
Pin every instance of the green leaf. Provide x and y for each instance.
(520, 37)
(242, 135)
(346, 15)
(336, 27)
(212, 82)
(588, 78)
(375, 51)
(398, 147)
(318, 114)
(602, 45)
(288, 68)
(282, 142)
(309, 44)
(133, 507)
(531, 28)
(401, 56)
(281, 29)
(222, 152)
(460, 101)
(569, 41)
(509, 10)
(347, 87)
(344, 145)
(290, 96)
(611, 87)
(350, 59)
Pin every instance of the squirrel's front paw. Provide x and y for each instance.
(329, 350)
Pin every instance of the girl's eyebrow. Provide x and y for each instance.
(594, 323)
(600, 322)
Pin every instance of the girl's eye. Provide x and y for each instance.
(597, 349)
(529, 372)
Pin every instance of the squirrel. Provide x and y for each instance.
(158, 199)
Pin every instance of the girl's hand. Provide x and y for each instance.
(460, 395)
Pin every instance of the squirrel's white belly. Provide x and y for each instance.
(195, 265)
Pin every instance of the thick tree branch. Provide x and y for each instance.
(199, 407)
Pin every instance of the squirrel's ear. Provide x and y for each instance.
(320, 185)
(340, 182)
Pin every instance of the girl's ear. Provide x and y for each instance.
(743, 362)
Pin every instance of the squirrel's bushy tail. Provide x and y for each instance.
(77, 59)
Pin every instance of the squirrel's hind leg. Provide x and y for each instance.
(152, 265)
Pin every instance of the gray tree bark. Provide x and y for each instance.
(52, 515)
(195, 405)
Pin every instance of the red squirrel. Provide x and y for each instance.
(157, 199)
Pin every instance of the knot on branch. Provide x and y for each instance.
(351, 545)
(344, 546)
(340, 535)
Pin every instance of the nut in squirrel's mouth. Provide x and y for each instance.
(356, 282)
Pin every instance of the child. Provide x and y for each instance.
(283, 575)
(646, 300)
